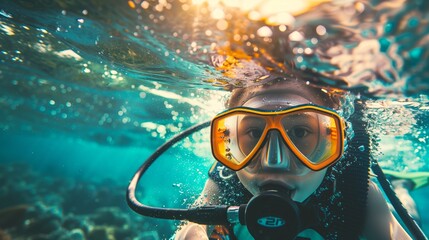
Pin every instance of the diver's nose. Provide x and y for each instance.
(276, 154)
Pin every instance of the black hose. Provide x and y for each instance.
(362, 138)
(409, 222)
(217, 215)
(210, 215)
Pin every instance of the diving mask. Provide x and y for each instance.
(314, 134)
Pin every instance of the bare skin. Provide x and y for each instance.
(301, 181)
(380, 223)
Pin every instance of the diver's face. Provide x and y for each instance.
(275, 163)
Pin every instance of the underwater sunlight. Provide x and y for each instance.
(90, 89)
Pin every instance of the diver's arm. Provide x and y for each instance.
(380, 223)
(194, 231)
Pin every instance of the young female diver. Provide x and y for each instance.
(285, 136)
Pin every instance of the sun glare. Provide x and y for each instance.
(273, 12)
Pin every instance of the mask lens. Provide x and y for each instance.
(236, 135)
(314, 135)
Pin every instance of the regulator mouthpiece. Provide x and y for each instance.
(273, 215)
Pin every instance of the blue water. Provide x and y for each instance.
(88, 90)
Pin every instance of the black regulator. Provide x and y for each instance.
(271, 215)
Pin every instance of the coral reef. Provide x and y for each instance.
(37, 206)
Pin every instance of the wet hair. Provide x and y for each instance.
(331, 97)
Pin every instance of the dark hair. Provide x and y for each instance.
(331, 97)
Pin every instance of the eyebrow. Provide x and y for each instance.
(303, 116)
(252, 118)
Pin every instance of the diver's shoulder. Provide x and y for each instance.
(375, 197)
(380, 223)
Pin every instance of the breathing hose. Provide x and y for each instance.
(218, 215)
(210, 215)
(409, 222)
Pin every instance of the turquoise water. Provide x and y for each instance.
(90, 89)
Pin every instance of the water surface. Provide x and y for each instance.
(89, 89)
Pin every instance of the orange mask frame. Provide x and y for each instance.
(273, 120)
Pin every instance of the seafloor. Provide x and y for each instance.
(34, 205)
(38, 205)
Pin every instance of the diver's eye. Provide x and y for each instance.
(255, 133)
(299, 132)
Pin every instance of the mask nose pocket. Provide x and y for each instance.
(275, 152)
(299, 137)
(276, 155)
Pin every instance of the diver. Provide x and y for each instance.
(286, 137)
(293, 162)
